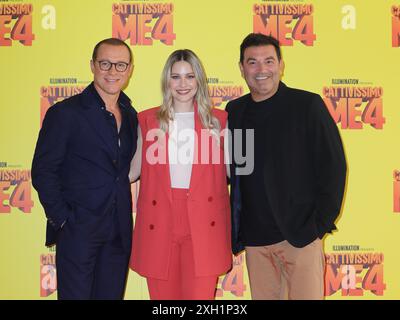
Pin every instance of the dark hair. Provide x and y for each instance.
(259, 39)
(112, 42)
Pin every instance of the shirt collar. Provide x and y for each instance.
(92, 98)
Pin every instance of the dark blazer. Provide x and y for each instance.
(304, 169)
(77, 169)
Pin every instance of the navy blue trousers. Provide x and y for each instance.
(90, 258)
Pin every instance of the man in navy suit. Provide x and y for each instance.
(80, 171)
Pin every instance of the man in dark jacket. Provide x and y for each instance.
(80, 170)
(290, 200)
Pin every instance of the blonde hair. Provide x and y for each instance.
(204, 104)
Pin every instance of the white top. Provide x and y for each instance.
(136, 163)
(181, 149)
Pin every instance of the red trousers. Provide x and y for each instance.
(182, 284)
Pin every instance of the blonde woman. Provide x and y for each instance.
(181, 241)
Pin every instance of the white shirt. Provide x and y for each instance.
(181, 149)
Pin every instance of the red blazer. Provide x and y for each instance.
(208, 206)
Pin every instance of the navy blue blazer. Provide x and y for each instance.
(77, 169)
(304, 169)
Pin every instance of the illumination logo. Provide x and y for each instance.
(16, 24)
(142, 23)
(355, 106)
(48, 276)
(49, 95)
(15, 190)
(354, 273)
(396, 26)
(286, 22)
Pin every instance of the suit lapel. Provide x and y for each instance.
(197, 167)
(240, 112)
(236, 123)
(161, 167)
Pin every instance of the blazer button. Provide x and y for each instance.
(210, 199)
(151, 227)
(154, 202)
(212, 223)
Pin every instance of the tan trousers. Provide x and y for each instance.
(281, 271)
